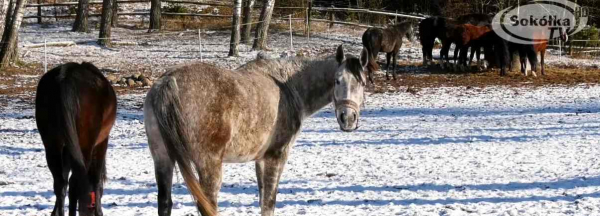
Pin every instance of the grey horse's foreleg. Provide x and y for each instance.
(268, 172)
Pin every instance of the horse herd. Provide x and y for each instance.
(468, 31)
(200, 116)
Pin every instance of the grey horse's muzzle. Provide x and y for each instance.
(347, 113)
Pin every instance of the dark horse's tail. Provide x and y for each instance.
(372, 48)
(66, 109)
(172, 125)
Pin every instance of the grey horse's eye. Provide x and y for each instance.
(337, 82)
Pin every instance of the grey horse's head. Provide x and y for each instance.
(348, 92)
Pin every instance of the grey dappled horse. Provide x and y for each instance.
(389, 41)
(201, 116)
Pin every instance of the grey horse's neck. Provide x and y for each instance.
(307, 82)
(401, 29)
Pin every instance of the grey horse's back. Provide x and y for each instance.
(219, 104)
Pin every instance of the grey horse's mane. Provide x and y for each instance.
(288, 67)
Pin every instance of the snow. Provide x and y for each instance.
(443, 151)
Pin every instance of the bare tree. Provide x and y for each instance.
(9, 51)
(115, 14)
(3, 10)
(154, 15)
(105, 22)
(262, 29)
(235, 28)
(247, 28)
(81, 20)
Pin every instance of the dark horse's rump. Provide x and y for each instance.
(75, 110)
(389, 41)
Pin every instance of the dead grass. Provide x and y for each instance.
(440, 78)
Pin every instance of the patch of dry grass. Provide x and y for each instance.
(436, 77)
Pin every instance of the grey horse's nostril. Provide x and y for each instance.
(342, 117)
(354, 115)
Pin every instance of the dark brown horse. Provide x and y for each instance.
(466, 36)
(389, 41)
(75, 108)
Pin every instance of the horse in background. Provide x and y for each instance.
(75, 109)
(437, 27)
(389, 41)
(201, 116)
(529, 52)
(466, 36)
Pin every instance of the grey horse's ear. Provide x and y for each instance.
(364, 57)
(339, 55)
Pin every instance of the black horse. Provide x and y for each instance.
(75, 108)
(388, 40)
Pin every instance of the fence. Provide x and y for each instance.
(584, 48)
(307, 11)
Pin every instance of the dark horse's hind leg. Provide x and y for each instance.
(394, 62)
(73, 195)
(59, 167)
(388, 56)
(97, 175)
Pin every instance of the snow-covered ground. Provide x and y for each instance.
(443, 151)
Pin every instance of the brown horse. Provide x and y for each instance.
(389, 41)
(75, 108)
(465, 36)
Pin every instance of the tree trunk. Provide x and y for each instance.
(115, 14)
(105, 22)
(247, 28)
(81, 20)
(9, 51)
(3, 11)
(235, 28)
(262, 29)
(154, 16)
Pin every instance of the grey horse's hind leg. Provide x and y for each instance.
(163, 164)
(268, 172)
(210, 178)
(163, 170)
